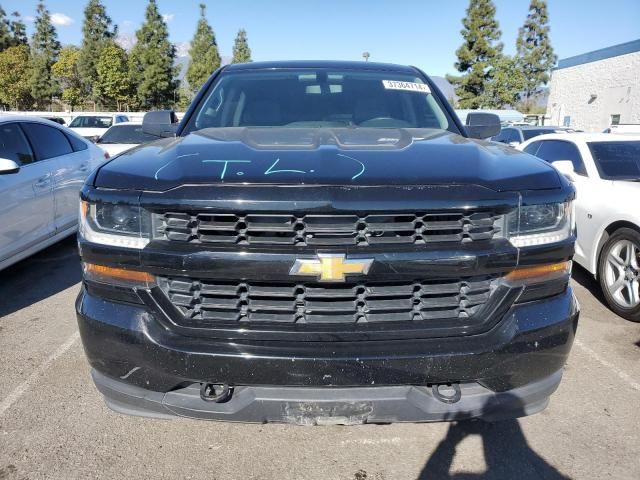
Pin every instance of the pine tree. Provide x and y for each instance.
(534, 49)
(113, 87)
(478, 54)
(18, 30)
(45, 48)
(151, 66)
(241, 50)
(96, 31)
(205, 58)
(5, 30)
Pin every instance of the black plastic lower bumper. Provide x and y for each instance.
(135, 357)
(330, 405)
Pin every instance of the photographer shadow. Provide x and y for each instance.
(507, 453)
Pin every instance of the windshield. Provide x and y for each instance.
(530, 133)
(320, 98)
(130, 134)
(617, 160)
(87, 121)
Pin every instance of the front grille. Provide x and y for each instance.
(325, 230)
(257, 303)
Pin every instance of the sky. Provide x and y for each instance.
(424, 33)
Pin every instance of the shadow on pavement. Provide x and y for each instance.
(40, 276)
(507, 453)
(588, 281)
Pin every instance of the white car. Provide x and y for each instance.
(605, 169)
(43, 166)
(93, 125)
(123, 136)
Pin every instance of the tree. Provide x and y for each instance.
(478, 54)
(205, 58)
(112, 85)
(5, 30)
(534, 49)
(241, 50)
(505, 86)
(67, 73)
(18, 30)
(96, 32)
(14, 87)
(45, 48)
(151, 66)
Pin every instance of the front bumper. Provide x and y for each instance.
(144, 368)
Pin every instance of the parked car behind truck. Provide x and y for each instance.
(43, 165)
(605, 170)
(324, 242)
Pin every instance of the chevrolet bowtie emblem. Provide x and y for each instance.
(330, 268)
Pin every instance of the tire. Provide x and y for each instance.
(619, 273)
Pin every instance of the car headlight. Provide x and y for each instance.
(539, 224)
(114, 224)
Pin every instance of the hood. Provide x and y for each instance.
(354, 157)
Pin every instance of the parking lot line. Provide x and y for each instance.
(620, 373)
(24, 386)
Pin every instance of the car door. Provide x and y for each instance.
(71, 168)
(27, 204)
(586, 187)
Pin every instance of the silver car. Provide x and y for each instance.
(43, 166)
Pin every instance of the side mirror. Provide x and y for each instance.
(163, 123)
(483, 125)
(565, 167)
(513, 144)
(8, 166)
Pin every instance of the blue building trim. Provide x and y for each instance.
(613, 51)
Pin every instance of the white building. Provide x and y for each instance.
(597, 89)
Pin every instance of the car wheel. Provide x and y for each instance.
(619, 273)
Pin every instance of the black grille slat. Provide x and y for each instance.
(212, 302)
(326, 230)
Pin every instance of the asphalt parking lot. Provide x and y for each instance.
(53, 423)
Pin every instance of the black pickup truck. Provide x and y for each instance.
(321, 243)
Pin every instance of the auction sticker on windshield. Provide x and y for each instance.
(409, 86)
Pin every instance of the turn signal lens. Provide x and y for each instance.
(104, 274)
(539, 272)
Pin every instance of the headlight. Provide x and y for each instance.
(539, 224)
(114, 224)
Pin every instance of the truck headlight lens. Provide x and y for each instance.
(540, 224)
(114, 224)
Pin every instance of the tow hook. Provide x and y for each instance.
(446, 392)
(215, 392)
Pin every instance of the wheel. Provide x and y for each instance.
(619, 273)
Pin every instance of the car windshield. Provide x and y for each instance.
(617, 160)
(130, 134)
(91, 121)
(319, 98)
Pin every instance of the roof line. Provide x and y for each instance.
(601, 54)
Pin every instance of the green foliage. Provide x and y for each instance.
(96, 32)
(478, 54)
(66, 71)
(241, 50)
(5, 30)
(45, 48)
(534, 48)
(151, 66)
(506, 84)
(205, 58)
(14, 87)
(18, 30)
(112, 86)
